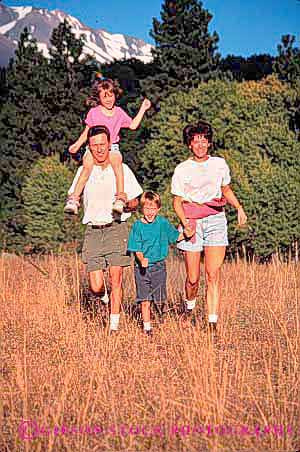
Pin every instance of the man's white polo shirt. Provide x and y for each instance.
(99, 193)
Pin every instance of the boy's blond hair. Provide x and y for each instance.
(150, 196)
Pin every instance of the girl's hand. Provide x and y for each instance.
(73, 149)
(242, 217)
(146, 104)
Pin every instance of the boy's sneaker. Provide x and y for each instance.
(118, 206)
(71, 206)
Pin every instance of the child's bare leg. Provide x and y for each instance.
(88, 163)
(73, 199)
(146, 316)
(116, 163)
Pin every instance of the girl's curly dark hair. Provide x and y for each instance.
(105, 84)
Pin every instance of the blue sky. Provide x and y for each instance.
(245, 27)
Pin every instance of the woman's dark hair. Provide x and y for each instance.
(97, 130)
(201, 128)
(105, 84)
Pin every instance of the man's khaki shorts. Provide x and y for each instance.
(106, 247)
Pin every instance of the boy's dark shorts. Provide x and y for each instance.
(106, 247)
(151, 282)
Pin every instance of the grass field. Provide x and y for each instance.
(66, 385)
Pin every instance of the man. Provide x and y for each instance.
(105, 241)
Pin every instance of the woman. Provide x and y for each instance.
(200, 186)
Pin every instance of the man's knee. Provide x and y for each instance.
(116, 278)
(96, 282)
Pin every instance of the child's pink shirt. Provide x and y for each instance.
(114, 123)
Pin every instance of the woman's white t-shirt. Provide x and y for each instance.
(200, 181)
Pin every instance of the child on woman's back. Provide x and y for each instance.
(104, 111)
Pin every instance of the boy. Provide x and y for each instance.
(149, 239)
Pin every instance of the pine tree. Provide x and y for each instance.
(43, 194)
(287, 64)
(185, 51)
(41, 116)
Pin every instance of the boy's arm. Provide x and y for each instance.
(146, 104)
(81, 140)
(143, 260)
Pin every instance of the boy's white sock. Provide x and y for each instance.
(213, 318)
(147, 326)
(114, 322)
(190, 304)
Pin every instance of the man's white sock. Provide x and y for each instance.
(147, 326)
(190, 304)
(114, 322)
(213, 318)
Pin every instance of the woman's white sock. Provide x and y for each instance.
(190, 304)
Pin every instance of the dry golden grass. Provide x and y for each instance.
(58, 368)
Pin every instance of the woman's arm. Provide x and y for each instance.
(177, 204)
(146, 104)
(233, 201)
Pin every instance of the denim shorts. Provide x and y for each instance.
(115, 148)
(210, 231)
(151, 282)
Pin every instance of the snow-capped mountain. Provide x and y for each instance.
(104, 46)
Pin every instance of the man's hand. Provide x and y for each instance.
(144, 262)
(146, 104)
(131, 205)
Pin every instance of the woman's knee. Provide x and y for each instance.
(212, 276)
(193, 279)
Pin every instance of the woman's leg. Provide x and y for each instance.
(192, 265)
(214, 257)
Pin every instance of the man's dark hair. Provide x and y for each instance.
(97, 130)
(201, 128)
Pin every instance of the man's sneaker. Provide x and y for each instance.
(71, 206)
(104, 297)
(118, 206)
(148, 333)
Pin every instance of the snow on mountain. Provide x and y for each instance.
(101, 44)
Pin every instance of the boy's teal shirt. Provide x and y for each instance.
(152, 239)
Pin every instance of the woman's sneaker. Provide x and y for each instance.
(71, 206)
